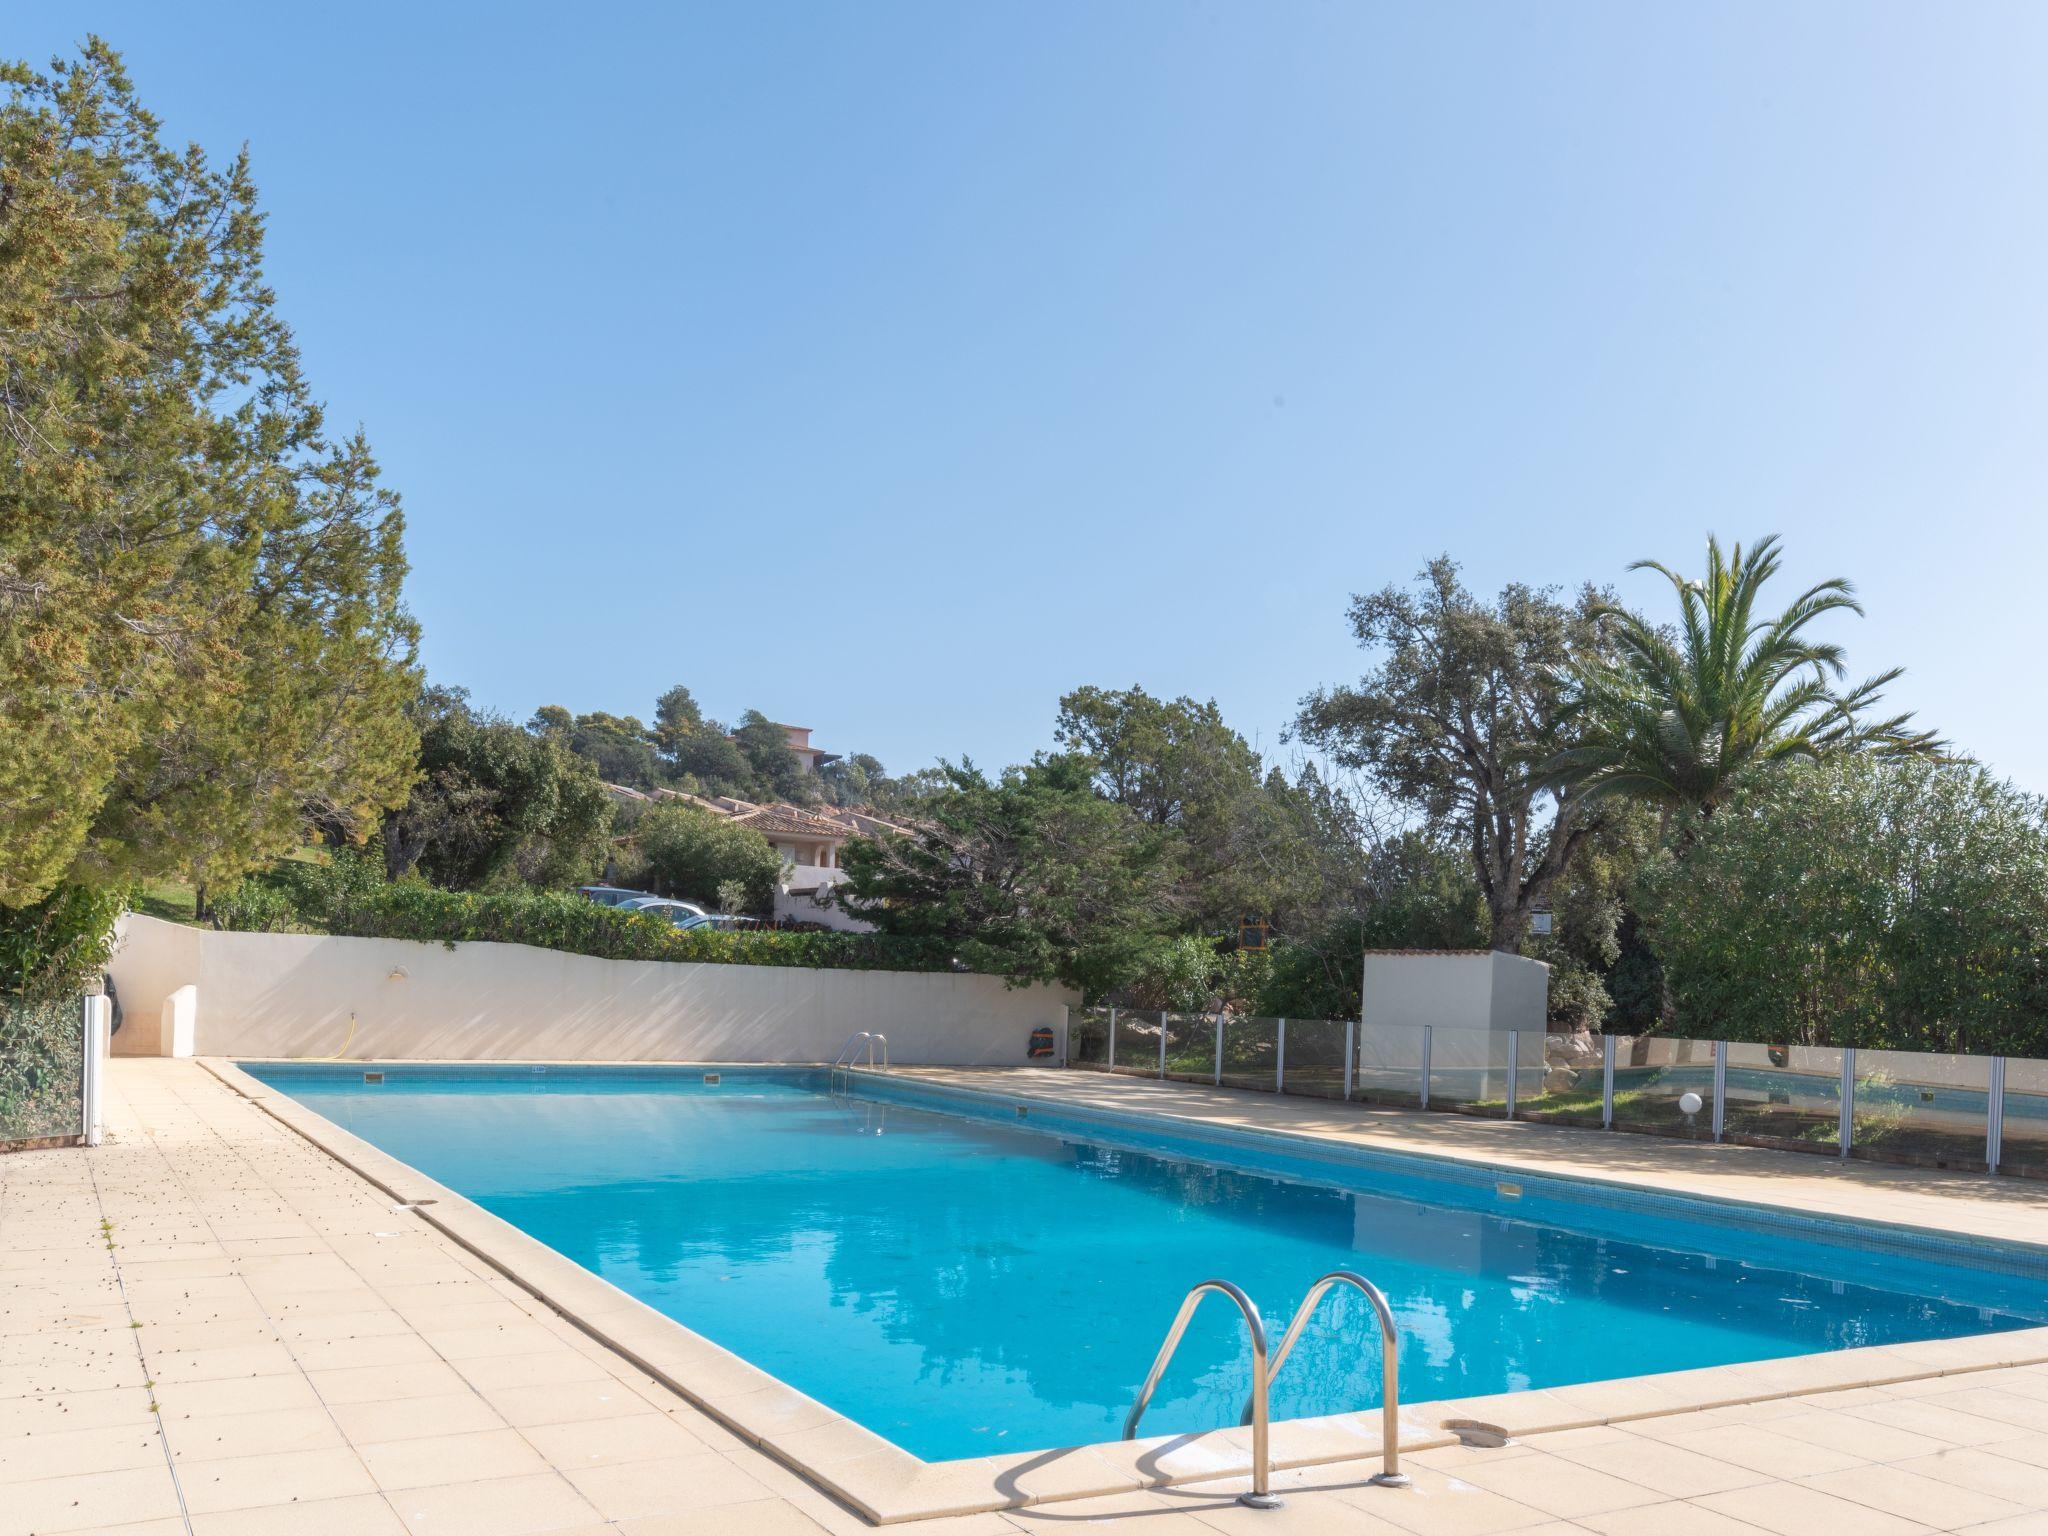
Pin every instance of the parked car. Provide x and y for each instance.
(681, 913)
(725, 922)
(612, 895)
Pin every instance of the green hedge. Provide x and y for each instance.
(42, 1067)
(339, 901)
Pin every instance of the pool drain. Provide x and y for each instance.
(1476, 1436)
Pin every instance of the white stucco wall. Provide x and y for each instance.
(276, 994)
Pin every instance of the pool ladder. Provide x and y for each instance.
(845, 1060)
(1263, 1372)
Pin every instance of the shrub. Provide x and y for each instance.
(1899, 905)
(695, 855)
(337, 898)
(55, 945)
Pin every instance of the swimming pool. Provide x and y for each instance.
(964, 1282)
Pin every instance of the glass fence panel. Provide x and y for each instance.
(1560, 1079)
(1137, 1042)
(1191, 1046)
(1468, 1070)
(1784, 1096)
(1088, 1037)
(2024, 1137)
(1251, 1052)
(1389, 1069)
(1664, 1086)
(1315, 1058)
(1921, 1107)
(42, 1069)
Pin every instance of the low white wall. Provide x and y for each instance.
(282, 994)
(153, 960)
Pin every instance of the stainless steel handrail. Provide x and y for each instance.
(860, 1037)
(1391, 1475)
(1259, 1497)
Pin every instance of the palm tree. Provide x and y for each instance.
(1676, 717)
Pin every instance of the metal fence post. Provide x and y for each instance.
(1514, 1067)
(1162, 1045)
(1350, 1055)
(1607, 1082)
(1845, 1131)
(1720, 1087)
(1994, 1116)
(1110, 1064)
(1428, 1030)
(1280, 1062)
(1219, 1047)
(1066, 1032)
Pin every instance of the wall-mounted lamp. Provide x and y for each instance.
(398, 973)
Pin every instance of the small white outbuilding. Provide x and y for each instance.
(1455, 989)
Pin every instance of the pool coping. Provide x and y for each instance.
(888, 1485)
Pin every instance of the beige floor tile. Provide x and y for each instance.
(1761, 1450)
(604, 1442)
(1561, 1488)
(2016, 1525)
(280, 1477)
(1913, 1497)
(362, 1515)
(74, 1410)
(564, 1402)
(232, 1395)
(1668, 1520)
(2030, 1413)
(57, 1504)
(415, 1418)
(419, 1463)
(253, 1434)
(548, 1369)
(68, 1452)
(383, 1383)
(1677, 1472)
(513, 1506)
(1440, 1506)
(1937, 1420)
(1984, 1471)
(1794, 1509)
(675, 1485)
(770, 1517)
(1858, 1437)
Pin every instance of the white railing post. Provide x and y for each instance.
(1350, 1055)
(1994, 1116)
(96, 1027)
(1720, 1088)
(1280, 1062)
(1845, 1130)
(1428, 1030)
(1162, 1045)
(1110, 1064)
(1607, 1082)
(1219, 1047)
(1514, 1067)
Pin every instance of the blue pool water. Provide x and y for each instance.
(963, 1284)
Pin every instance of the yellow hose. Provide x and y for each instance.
(340, 1055)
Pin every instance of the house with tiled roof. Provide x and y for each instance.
(808, 839)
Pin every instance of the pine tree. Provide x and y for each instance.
(202, 639)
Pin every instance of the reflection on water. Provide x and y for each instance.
(878, 1256)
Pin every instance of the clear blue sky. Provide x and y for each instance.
(894, 368)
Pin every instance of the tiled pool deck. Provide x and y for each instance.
(257, 1341)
